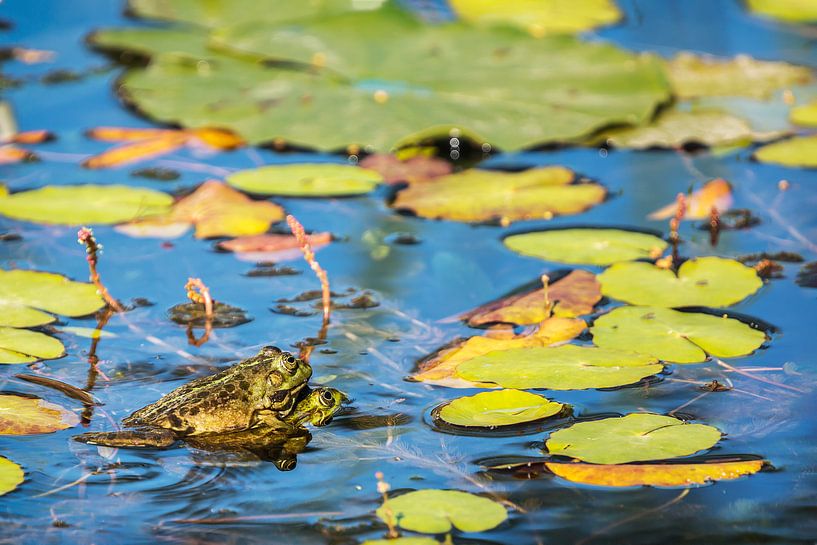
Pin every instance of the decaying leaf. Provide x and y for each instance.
(25, 416)
(418, 168)
(573, 295)
(274, 247)
(715, 193)
(138, 150)
(10, 154)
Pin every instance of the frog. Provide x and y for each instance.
(258, 392)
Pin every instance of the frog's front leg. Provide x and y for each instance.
(138, 438)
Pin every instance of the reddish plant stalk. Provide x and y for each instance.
(383, 488)
(298, 230)
(199, 293)
(674, 225)
(85, 236)
(714, 226)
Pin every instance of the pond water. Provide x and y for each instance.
(158, 496)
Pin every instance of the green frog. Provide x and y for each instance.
(257, 394)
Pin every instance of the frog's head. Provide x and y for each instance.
(279, 377)
(317, 407)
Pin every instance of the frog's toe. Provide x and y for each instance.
(131, 438)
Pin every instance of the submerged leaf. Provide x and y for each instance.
(654, 474)
(574, 295)
(672, 336)
(138, 150)
(703, 281)
(440, 511)
(483, 195)
(566, 367)
(11, 475)
(306, 180)
(85, 204)
(715, 193)
(631, 438)
(498, 408)
(193, 314)
(800, 151)
(26, 415)
(587, 246)
(541, 17)
(275, 247)
(418, 168)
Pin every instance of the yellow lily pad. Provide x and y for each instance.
(11, 475)
(26, 416)
(440, 511)
(800, 151)
(793, 11)
(498, 408)
(587, 246)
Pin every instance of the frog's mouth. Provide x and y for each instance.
(284, 400)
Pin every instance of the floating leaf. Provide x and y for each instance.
(11, 475)
(805, 114)
(32, 137)
(566, 367)
(587, 246)
(675, 129)
(24, 346)
(418, 168)
(541, 17)
(413, 540)
(324, 70)
(574, 295)
(85, 204)
(275, 247)
(139, 150)
(440, 511)
(654, 474)
(692, 76)
(800, 151)
(715, 193)
(128, 134)
(12, 154)
(631, 438)
(441, 367)
(26, 415)
(483, 195)
(306, 180)
(703, 281)
(89, 332)
(498, 408)
(216, 210)
(793, 11)
(672, 336)
(193, 314)
(24, 295)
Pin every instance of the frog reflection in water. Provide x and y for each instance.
(259, 405)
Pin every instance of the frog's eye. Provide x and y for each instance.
(326, 398)
(290, 362)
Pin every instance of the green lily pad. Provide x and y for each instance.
(804, 115)
(693, 76)
(672, 336)
(498, 408)
(374, 78)
(703, 281)
(800, 151)
(793, 11)
(540, 17)
(24, 346)
(484, 195)
(11, 475)
(675, 128)
(85, 204)
(146, 42)
(632, 438)
(24, 295)
(587, 246)
(566, 367)
(439, 511)
(306, 180)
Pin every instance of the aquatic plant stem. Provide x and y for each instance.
(714, 226)
(298, 230)
(199, 293)
(383, 489)
(674, 225)
(85, 236)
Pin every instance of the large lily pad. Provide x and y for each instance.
(374, 78)
(794, 11)
(587, 246)
(703, 281)
(540, 17)
(672, 336)
(306, 180)
(24, 346)
(25, 416)
(85, 204)
(692, 76)
(483, 195)
(11, 475)
(27, 296)
(440, 511)
(566, 367)
(499, 408)
(632, 438)
(800, 151)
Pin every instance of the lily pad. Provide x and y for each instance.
(420, 79)
(483, 195)
(540, 17)
(703, 281)
(85, 204)
(655, 474)
(804, 115)
(24, 346)
(440, 511)
(193, 314)
(800, 151)
(498, 408)
(11, 475)
(26, 416)
(306, 180)
(587, 246)
(566, 367)
(631, 438)
(411, 540)
(693, 76)
(793, 11)
(672, 336)
(26, 298)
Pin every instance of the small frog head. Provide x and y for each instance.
(279, 377)
(317, 407)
